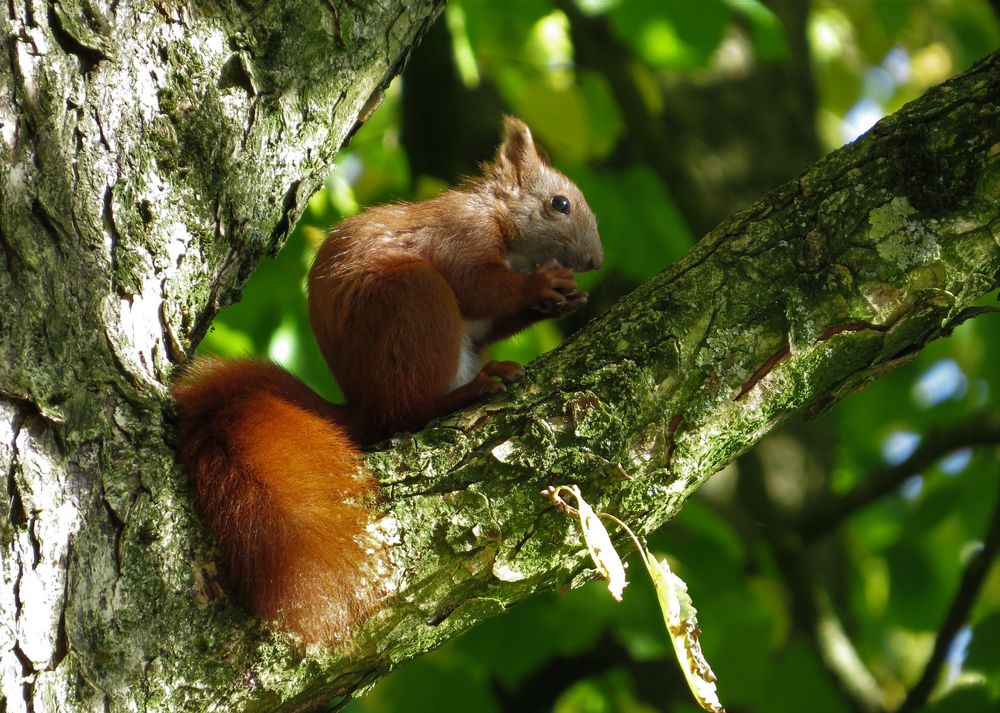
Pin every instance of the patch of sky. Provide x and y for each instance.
(958, 650)
(877, 90)
(899, 446)
(942, 381)
(955, 462)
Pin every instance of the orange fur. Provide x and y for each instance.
(401, 298)
(276, 477)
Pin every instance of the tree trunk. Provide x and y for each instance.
(153, 154)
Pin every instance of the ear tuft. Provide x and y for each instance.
(543, 155)
(517, 156)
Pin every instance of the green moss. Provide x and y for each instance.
(162, 137)
(899, 240)
(127, 270)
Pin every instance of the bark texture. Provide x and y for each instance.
(153, 153)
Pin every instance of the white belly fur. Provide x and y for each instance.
(468, 357)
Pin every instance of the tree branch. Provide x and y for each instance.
(958, 614)
(981, 429)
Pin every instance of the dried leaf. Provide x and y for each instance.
(681, 619)
(678, 610)
(605, 557)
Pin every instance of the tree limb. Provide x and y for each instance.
(972, 582)
(982, 429)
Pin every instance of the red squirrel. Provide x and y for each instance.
(402, 299)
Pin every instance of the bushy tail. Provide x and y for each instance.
(277, 480)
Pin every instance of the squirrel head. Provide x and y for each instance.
(545, 214)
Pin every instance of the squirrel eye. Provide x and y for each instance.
(561, 204)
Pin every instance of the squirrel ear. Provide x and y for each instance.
(543, 155)
(518, 157)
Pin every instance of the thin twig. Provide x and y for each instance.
(841, 657)
(983, 429)
(968, 591)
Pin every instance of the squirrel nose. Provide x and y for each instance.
(595, 262)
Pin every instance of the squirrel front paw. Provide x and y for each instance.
(553, 291)
(573, 302)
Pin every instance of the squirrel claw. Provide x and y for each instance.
(506, 371)
(495, 376)
(491, 387)
(571, 303)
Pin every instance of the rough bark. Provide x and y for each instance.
(125, 222)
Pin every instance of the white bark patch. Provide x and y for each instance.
(503, 451)
(33, 567)
(43, 546)
(139, 322)
(506, 573)
(10, 667)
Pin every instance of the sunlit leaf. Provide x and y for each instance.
(681, 619)
(602, 552)
(465, 58)
(671, 33)
(768, 34)
(226, 341)
(678, 611)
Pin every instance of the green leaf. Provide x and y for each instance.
(917, 593)
(525, 346)
(796, 682)
(965, 699)
(227, 341)
(671, 34)
(609, 693)
(426, 685)
(984, 654)
(768, 34)
(511, 647)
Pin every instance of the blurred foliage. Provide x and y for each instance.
(626, 95)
